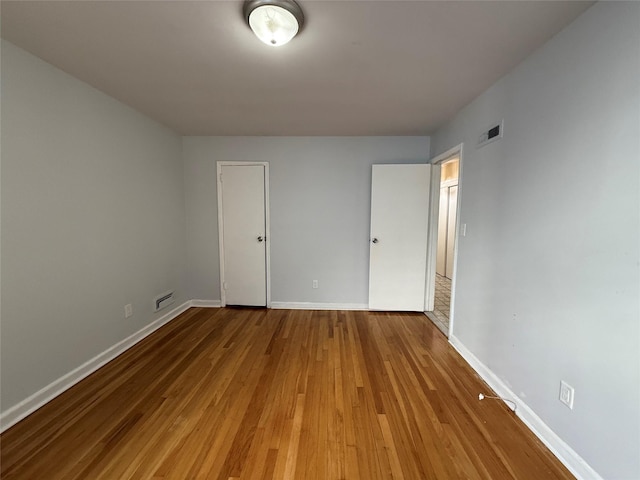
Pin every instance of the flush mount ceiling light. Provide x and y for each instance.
(274, 22)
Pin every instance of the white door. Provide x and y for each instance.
(398, 243)
(243, 252)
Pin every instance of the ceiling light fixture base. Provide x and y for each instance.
(275, 22)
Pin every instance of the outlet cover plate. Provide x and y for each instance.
(567, 393)
(128, 310)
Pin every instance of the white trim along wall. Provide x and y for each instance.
(548, 273)
(569, 458)
(565, 454)
(30, 404)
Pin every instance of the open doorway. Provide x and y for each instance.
(442, 241)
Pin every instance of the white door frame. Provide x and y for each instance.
(223, 301)
(432, 245)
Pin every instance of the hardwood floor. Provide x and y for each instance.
(276, 394)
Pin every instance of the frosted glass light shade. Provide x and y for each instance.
(274, 23)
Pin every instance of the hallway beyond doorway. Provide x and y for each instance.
(442, 304)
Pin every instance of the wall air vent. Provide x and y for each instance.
(494, 133)
(163, 301)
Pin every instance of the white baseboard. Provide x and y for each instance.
(30, 404)
(318, 306)
(205, 303)
(574, 462)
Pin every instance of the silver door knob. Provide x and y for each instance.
(261, 238)
(374, 240)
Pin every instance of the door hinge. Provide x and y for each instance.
(220, 178)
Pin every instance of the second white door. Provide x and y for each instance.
(243, 225)
(398, 244)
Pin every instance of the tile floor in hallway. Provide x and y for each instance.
(440, 314)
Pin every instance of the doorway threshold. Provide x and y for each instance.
(439, 321)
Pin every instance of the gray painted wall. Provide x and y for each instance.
(320, 207)
(548, 273)
(92, 219)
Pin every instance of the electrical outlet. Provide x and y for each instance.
(566, 394)
(128, 310)
(315, 284)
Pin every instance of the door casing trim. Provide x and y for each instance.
(456, 151)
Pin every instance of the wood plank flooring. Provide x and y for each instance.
(275, 394)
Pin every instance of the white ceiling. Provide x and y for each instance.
(357, 68)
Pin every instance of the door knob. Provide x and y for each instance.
(261, 238)
(374, 240)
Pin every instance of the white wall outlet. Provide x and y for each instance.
(566, 394)
(315, 284)
(128, 310)
(463, 227)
